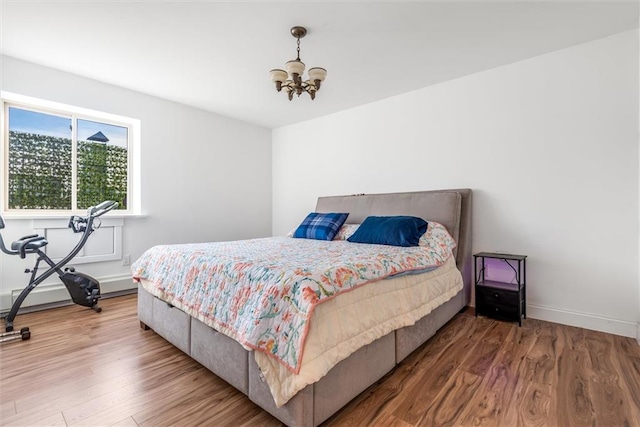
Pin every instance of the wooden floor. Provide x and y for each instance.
(84, 368)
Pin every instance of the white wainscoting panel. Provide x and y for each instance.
(104, 244)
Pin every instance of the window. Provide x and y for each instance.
(60, 158)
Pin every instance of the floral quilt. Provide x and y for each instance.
(262, 292)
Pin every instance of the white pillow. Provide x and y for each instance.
(346, 231)
(437, 235)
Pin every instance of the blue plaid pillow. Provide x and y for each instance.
(320, 226)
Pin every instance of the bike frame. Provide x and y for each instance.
(78, 224)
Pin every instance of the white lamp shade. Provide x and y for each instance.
(317, 73)
(278, 75)
(296, 67)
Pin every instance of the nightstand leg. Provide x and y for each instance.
(524, 287)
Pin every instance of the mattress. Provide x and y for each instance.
(262, 292)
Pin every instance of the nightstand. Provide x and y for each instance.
(501, 300)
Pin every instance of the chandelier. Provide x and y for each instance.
(291, 79)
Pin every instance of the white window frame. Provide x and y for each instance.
(9, 99)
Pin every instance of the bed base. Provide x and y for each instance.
(315, 403)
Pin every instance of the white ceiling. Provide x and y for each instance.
(216, 55)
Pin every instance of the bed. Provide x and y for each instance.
(307, 390)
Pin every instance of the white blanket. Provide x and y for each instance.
(344, 324)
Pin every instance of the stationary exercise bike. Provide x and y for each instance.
(84, 289)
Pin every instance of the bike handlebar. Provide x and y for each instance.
(3, 248)
(79, 224)
(102, 208)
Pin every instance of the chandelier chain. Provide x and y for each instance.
(298, 49)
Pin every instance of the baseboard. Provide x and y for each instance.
(55, 294)
(585, 320)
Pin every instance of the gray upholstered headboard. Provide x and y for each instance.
(451, 208)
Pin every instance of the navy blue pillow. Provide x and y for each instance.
(390, 230)
(320, 226)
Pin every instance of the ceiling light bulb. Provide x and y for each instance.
(317, 73)
(278, 75)
(295, 67)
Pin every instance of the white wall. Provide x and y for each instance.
(550, 147)
(204, 177)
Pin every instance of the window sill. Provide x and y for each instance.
(68, 215)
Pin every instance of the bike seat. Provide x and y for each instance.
(33, 243)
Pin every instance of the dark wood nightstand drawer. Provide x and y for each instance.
(500, 311)
(497, 296)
